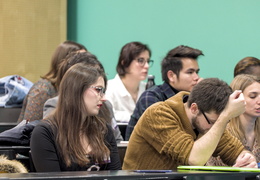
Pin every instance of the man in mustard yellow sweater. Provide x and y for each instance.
(187, 129)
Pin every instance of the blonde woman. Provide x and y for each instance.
(246, 127)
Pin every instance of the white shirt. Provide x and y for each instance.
(120, 98)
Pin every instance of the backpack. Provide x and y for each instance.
(19, 135)
(13, 90)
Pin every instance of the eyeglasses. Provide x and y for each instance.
(142, 61)
(99, 90)
(205, 117)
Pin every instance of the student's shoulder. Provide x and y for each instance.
(116, 79)
(43, 125)
(43, 85)
(111, 84)
(43, 82)
(156, 88)
(51, 101)
(155, 91)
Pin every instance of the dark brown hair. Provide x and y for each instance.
(246, 65)
(58, 56)
(71, 121)
(74, 58)
(210, 94)
(128, 53)
(173, 60)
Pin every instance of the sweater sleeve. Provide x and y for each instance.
(228, 148)
(44, 154)
(163, 130)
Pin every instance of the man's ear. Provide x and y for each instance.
(194, 108)
(171, 76)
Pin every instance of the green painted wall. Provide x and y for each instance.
(225, 30)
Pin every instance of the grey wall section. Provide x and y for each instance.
(226, 31)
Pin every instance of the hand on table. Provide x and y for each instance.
(246, 159)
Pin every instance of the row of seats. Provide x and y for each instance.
(9, 115)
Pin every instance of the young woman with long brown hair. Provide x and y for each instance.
(74, 138)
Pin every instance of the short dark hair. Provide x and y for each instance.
(210, 94)
(246, 65)
(128, 53)
(173, 60)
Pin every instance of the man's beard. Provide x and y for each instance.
(197, 126)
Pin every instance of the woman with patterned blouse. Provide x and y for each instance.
(46, 87)
(246, 127)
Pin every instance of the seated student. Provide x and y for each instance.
(90, 59)
(187, 129)
(73, 137)
(246, 126)
(46, 87)
(179, 72)
(248, 65)
(124, 90)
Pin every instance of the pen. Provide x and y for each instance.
(152, 171)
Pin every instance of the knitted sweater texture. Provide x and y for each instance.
(164, 137)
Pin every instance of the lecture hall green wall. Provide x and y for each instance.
(225, 30)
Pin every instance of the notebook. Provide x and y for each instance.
(216, 168)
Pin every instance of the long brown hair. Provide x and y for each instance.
(70, 121)
(58, 56)
(74, 58)
(241, 82)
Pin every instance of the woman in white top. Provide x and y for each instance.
(132, 68)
